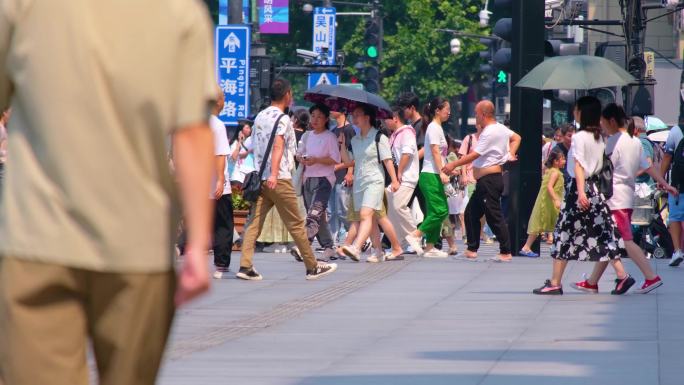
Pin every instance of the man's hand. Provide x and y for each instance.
(512, 157)
(310, 161)
(218, 190)
(272, 182)
(349, 180)
(193, 278)
(394, 186)
(448, 168)
(400, 177)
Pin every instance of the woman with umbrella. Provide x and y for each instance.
(368, 194)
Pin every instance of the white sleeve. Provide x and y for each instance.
(221, 146)
(482, 143)
(433, 135)
(408, 145)
(384, 148)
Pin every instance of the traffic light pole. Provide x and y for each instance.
(526, 118)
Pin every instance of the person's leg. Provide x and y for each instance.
(473, 214)
(597, 273)
(365, 226)
(530, 240)
(253, 227)
(43, 328)
(321, 198)
(331, 211)
(559, 266)
(129, 317)
(399, 212)
(223, 232)
(388, 229)
(285, 200)
(437, 208)
(493, 187)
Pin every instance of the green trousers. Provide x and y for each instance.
(436, 206)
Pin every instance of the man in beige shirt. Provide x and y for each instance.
(89, 209)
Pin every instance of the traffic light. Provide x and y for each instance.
(372, 75)
(372, 38)
(559, 48)
(503, 28)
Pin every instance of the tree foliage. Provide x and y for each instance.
(417, 57)
(414, 55)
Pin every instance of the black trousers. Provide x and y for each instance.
(223, 231)
(486, 200)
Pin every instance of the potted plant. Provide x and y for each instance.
(240, 210)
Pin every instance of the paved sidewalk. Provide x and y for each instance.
(423, 321)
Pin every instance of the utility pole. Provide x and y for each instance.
(526, 116)
(235, 12)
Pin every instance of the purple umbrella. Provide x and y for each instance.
(345, 99)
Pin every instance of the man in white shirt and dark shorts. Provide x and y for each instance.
(496, 146)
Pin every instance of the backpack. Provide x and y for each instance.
(388, 180)
(658, 154)
(605, 177)
(677, 173)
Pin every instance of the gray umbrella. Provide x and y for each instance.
(575, 72)
(343, 98)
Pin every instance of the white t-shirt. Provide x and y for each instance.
(493, 146)
(628, 158)
(586, 151)
(3, 144)
(221, 148)
(434, 135)
(404, 142)
(247, 164)
(263, 126)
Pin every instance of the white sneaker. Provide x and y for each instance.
(414, 242)
(221, 273)
(677, 258)
(351, 252)
(434, 253)
(376, 257)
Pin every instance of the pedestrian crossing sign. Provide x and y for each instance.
(323, 78)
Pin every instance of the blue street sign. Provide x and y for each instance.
(326, 78)
(324, 44)
(232, 70)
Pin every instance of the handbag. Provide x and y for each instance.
(251, 188)
(298, 178)
(605, 177)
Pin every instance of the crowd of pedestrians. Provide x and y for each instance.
(359, 178)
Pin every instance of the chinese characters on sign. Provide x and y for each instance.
(324, 44)
(232, 65)
(274, 16)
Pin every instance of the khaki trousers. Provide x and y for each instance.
(284, 199)
(399, 212)
(49, 312)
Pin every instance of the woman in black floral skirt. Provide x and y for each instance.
(585, 230)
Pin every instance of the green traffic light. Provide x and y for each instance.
(502, 77)
(372, 52)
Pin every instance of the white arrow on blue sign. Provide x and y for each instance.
(232, 70)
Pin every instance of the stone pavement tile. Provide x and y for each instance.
(580, 362)
(671, 358)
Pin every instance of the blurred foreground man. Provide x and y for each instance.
(88, 214)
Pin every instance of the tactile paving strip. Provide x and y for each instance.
(216, 336)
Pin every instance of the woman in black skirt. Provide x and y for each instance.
(585, 230)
